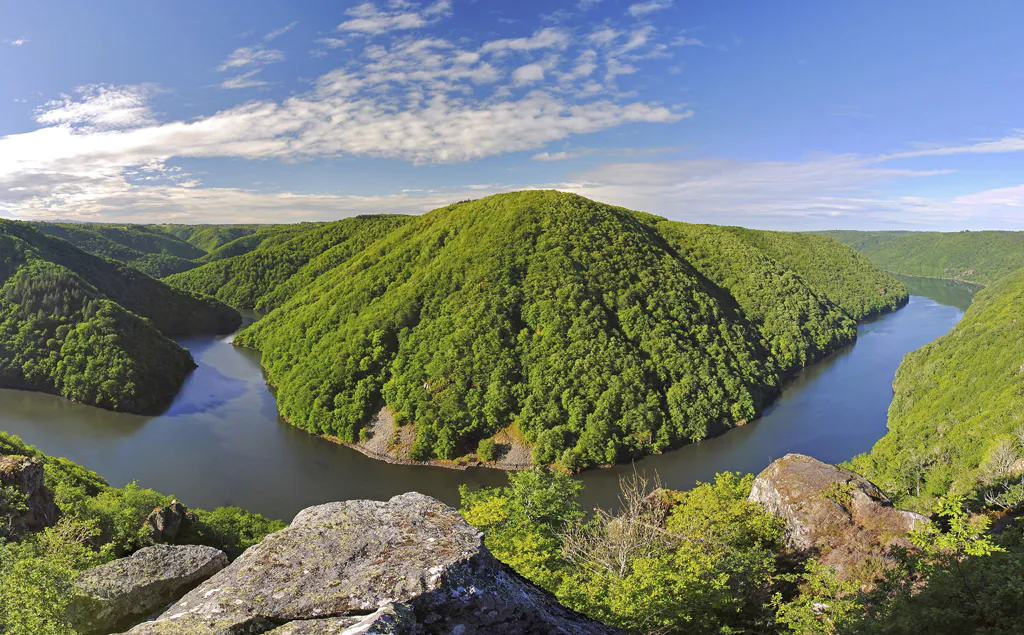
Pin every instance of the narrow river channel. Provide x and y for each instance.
(221, 442)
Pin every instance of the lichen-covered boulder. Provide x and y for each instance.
(26, 476)
(140, 584)
(408, 565)
(836, 514)
(391, 619)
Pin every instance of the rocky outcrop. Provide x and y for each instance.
(105, 596)
(26, 475)
(408, 565)
(835, 514)
(165, 523)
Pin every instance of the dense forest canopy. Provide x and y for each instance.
(957, 419)
(151, 252)
(971, 256)
(587, 327)
(799, 325)
(93, 330)
(267, 267)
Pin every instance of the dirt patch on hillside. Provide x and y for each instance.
(392, 443)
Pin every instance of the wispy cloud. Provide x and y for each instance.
(276, 33)
(251, 60)
(550, 38)
(18, 42)
(643, 8)
(100, 107)
(366, 18)
(250, 56)
(1013, 143)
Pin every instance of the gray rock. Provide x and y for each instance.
(838, 515)
(165, 523)
(391, 619)
(26, 475)
(409, 565)
(136, 586)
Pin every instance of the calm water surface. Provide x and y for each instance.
(221, 442)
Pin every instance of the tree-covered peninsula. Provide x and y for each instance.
(93, 330)
(594, 332)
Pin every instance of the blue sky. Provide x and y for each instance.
(788, 115)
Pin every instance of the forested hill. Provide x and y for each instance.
(151, 252)
(93, 330)
(273, 265)
(980, 257)
(957, 419)
(595, 332)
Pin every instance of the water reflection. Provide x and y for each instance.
(222, 443)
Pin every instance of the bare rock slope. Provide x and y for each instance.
(409, 565)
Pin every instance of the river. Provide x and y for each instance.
(222, 443)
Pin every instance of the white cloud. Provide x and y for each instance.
(251, 56)
(825, 193)
(245, 80)
(528, 74)
(276, 33)
(553, 156)
(369, 20)
(418, 99)
(643, 8)
(1013, 143)
(18, 42)
(549, 38)
(100, 107)
(683, 40)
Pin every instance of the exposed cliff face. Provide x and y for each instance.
(25, 475)
(835, 514)
(409, 565)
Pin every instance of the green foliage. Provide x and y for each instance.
(702, 561)
(523, 523)
(274, 264)
(149, 251)
(956, 400)
(98, 523)
(843, 276)
(799, 325)
(959, 581)
(207, 238)
(91, 330)
(487, 450)
(231, 529)
(981, 257)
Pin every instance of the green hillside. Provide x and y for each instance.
(154, 253)
(91, 330)
(958, 408)
(283, 261)
(583, 324)
(981, 257)
(845, 277)
(207, 238)
(799, 325)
